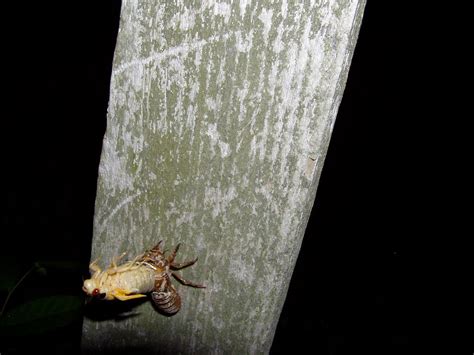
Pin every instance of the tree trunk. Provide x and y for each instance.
(219, 120)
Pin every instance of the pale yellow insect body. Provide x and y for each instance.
(128, 281)
(149, 273)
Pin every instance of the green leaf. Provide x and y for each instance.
(41, 315)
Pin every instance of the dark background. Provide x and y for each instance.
(352, 288)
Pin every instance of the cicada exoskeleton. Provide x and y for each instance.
(148, 273)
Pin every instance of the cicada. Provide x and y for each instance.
(149, 273)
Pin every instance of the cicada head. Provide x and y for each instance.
(91, 288)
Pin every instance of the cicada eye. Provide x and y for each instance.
(95, 292)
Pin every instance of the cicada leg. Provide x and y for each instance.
(186, 282)
(173, 254)
(94, 268)
(113, 268)
(178, 266)
(158, 246)
(130, 265)
(155, 250)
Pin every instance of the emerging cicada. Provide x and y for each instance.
(147, 273)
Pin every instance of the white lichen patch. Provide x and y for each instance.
(266, 18)
(223, 9)
(216, 141)
(217, 199)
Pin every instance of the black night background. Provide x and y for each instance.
(351, 290)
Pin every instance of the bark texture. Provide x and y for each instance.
(219, 119)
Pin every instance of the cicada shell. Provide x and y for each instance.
(168, 301)
(164, 295)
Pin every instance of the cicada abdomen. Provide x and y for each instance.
(168, 301)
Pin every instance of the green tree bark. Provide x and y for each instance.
(219, 120)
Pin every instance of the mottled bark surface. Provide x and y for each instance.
(219, 119)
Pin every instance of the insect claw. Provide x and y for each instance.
(179, 266)
(157, 247)
(173, 254)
